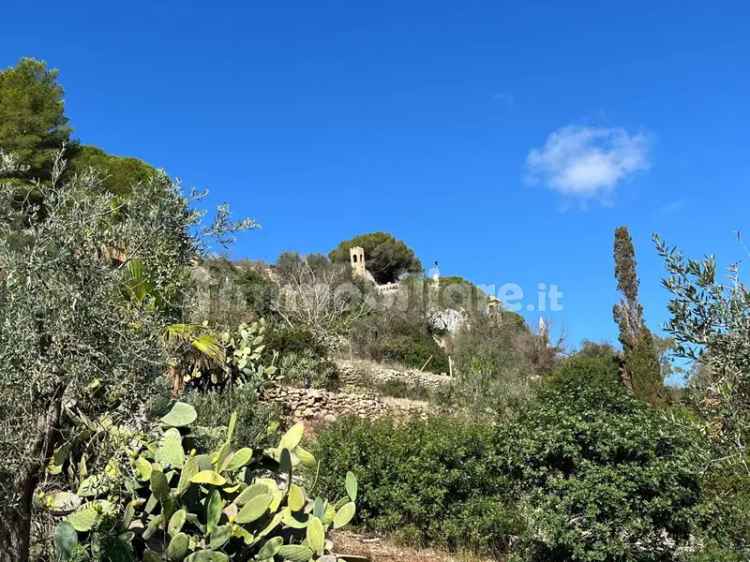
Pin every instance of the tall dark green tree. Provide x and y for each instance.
(33, 125)
(641, 369)
(386, 256)
(33, 128)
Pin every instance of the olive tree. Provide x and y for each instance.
(711, 325)
(74, 316)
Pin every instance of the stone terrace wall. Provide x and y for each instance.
(315, 405)
(362, 373)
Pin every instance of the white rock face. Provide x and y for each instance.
(449, 320)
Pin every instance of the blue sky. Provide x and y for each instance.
(505, 140)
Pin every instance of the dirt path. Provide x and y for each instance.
(379, 549)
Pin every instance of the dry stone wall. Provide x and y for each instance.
(357, 398)
(363, 373)
(316, 405)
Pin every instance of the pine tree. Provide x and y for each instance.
(640, 369)
(33, 125)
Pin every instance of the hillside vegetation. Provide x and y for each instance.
(135, 366)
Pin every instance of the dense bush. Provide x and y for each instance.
(256, 421)
(302, 357)
(497, 361)
(284, 340)
(308, 370)
(434, 481)
(585, 473)
(602, 476)
(228, 293)
(725, 525)
(403, 337)
(593, 363)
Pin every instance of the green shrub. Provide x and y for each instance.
(284, 340)
(434, 481)
(308, 370)
(405, 338)
(594, 364)
(600, 475)
(725, 524)
(399, 388)
(255, 420)
(303, 359)
(412, 351)
(496, 364)
(231, 292)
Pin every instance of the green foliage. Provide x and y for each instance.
(119, 176)
(725, 527)
(308, 370)
(711, 325)
(585, 473)
(171, 501)
(434, 481)
(400, 388)
(33, 125)
(202, 358)
(386, 257)
(641, 368)
(600, 475)
(256, 425)
(303, 357)
(496, 363)
(641, 361)
(403, 337)
(229, 293)
(69, 332)
(285, 340)
(594, 364)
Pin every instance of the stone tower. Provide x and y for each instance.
(357, 259)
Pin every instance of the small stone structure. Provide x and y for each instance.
(388, 288)
(357, 259)
(359, 269)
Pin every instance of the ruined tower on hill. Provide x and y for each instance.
(357, 258)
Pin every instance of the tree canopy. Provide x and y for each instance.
(120, 175)
(33, 125)
(386, 256)
(79, 334)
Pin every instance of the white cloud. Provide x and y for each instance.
(587, 162)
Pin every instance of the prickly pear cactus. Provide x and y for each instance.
(184, 505)
(245, 348)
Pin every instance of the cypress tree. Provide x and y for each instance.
(640, 369)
